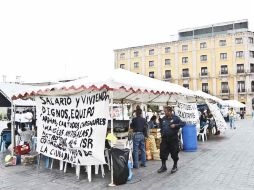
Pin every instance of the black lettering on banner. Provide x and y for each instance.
(103, 96)
(43, 101)
(77, 101)
(83, 98)
(44, 149)
(87, 153)
(67, 130)
(86, 143)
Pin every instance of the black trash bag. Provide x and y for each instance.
(120, 165)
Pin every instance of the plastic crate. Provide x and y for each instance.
(22, 149)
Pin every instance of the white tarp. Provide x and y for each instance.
(73, 128)
(11, 89)
(188, 112)
(220, 122)
(207, 96)
(125, 85)
(233, 103)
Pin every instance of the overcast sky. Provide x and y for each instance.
(50, 40)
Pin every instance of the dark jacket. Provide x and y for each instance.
(166, 130)
(139, 124)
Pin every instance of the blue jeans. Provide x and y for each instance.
(139, 142)
(231, 122)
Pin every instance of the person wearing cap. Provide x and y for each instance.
(170, 125)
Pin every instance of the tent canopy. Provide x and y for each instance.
(7, 90)
(125, 85)
(208, 96)
(233, 103)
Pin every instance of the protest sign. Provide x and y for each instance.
(73, 128)
(220, 122)
(188, 112)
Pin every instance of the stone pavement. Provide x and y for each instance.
(223, 162)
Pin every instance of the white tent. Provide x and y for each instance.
(207, 96)
(233, 103)
(10, 89)
(125, 86)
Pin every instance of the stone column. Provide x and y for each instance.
(194, 65)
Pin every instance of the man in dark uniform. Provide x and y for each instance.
(170, 125)
(139, 127)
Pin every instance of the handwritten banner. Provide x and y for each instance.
(220, 122)
(188, 112)
(73, 128)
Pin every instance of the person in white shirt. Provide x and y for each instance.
(232, 116)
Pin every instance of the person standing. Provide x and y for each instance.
(170, 125)
(139, 127)
(203, 120)
(232, 115)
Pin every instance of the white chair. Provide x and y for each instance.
(203, 134)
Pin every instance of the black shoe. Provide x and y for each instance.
(143, 165)
(162, 169)
(174, 169)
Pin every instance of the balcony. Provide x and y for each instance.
(185, 76)
(223, 74)
(167, 78)
(204, 75)
(242, 91)
(240, 72)
(250, 71)
(251, 91)
(225, 92)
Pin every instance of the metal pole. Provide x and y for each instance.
(12, 127)
(111, 130)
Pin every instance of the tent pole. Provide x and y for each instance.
(122, 109)
(12, 127)
(111, 130)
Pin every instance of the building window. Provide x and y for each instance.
(185, 60)
(239, 54)
(252, 68)
(224, 87)
(241, 86)
(252, 54)
(240, 68)
(151, 52)
(205, 87)
(250, 40)
(136, 65)
(203, 45)
(204, 71)
(238, 40)
(135, 53)
(184, 47)
(167, 74)
(203, 58)
(224, 69)
(167, 49)
(151, 63)
(167, 61)
(252, 86)
(122, 66)
(186, 86)
(223, 43)
(122, 55)
(223, 56)
(186, 73)
(151, 74)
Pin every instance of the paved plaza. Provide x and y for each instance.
(222, 162)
